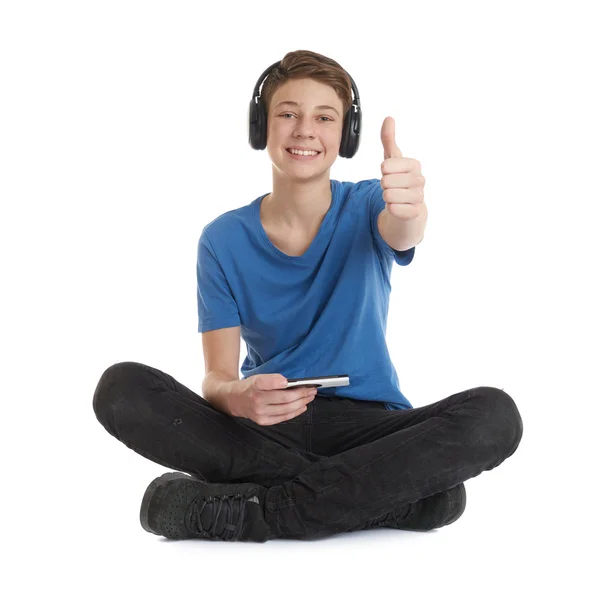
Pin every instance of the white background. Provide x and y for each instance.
(124, 132)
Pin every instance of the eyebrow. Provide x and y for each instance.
(320, 107)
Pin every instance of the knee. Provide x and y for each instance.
(501, 421)
(110, 387)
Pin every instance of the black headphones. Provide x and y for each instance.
(257, 124)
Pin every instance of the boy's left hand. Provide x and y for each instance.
(401, 180)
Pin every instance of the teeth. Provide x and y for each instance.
(303, 152)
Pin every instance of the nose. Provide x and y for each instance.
(305, 127)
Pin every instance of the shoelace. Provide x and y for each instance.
(230, 527)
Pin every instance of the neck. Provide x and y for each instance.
(298, 205)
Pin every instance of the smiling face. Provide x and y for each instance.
(313, 122)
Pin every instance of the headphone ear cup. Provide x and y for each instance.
(251, 124)
(355, 131)
(257, 125)
(351, 133)
(343, 152)
(262, 124)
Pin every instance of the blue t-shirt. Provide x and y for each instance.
(322, 313)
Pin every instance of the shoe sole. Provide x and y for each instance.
(155, 494)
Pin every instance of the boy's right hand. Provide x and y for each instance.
(265, 400)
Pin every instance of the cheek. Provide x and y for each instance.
(335, 137)
(333, 141)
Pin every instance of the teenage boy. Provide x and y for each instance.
(303, 275)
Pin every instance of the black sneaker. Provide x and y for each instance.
(179, 506)
(427, 513)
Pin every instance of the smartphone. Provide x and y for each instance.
(324, 381)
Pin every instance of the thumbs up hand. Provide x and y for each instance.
(401, 180)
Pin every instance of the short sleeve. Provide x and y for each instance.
(376, 205)
(216, 305)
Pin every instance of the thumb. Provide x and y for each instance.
(388, 139)
(270, 381)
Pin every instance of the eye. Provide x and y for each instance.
(328, 118)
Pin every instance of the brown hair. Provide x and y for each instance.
(304, 63)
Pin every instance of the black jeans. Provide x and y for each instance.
(336, 466)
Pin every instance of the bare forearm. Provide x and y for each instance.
(218, 389)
